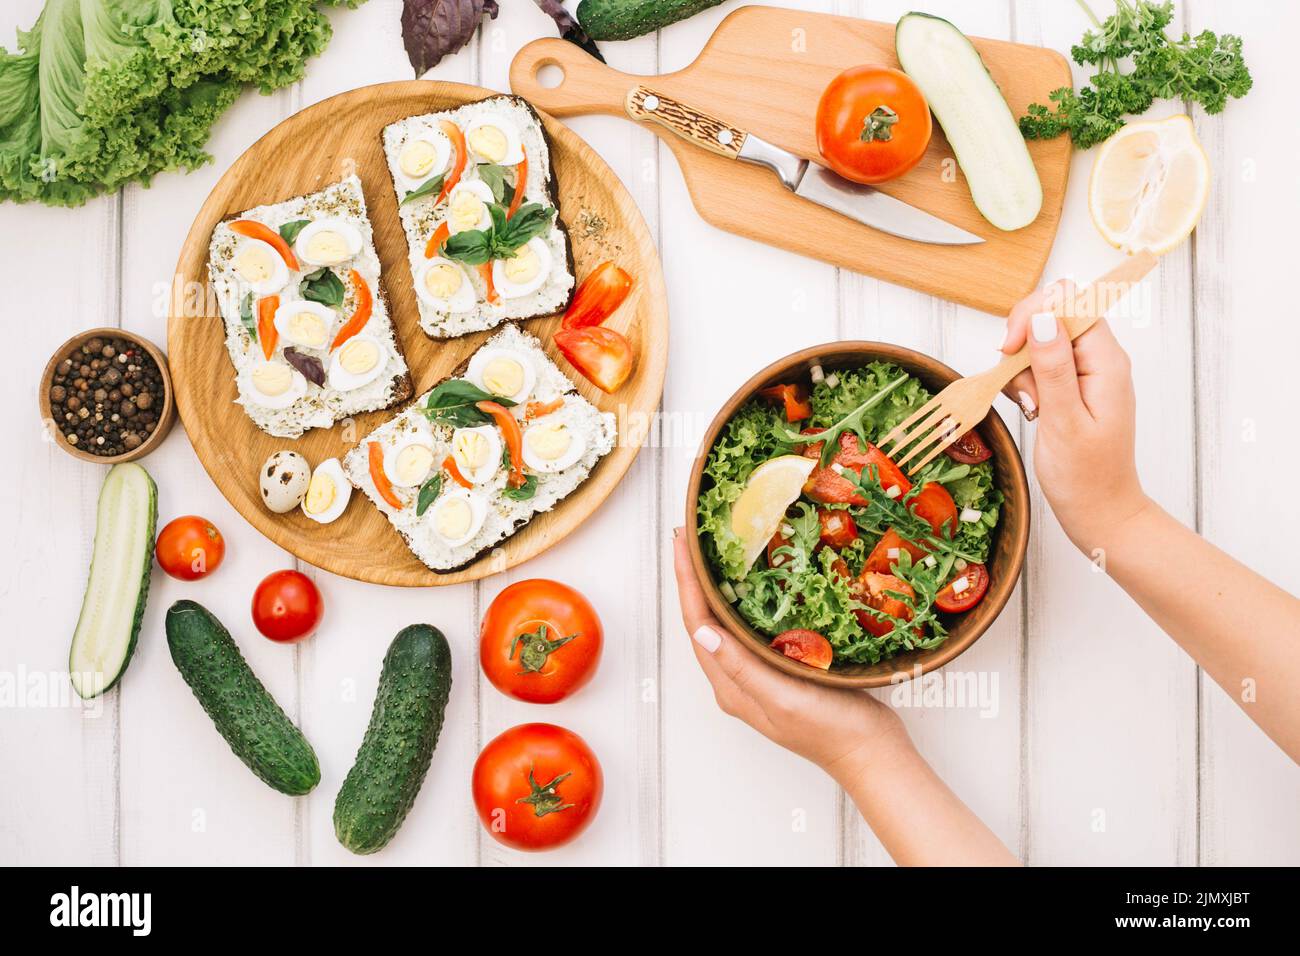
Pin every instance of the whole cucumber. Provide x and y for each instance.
(244, 712)
(625, 19)
(395, 753)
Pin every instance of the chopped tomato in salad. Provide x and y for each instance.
(867, 558)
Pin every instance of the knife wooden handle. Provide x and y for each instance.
(646, 105)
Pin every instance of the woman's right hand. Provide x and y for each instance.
(1082, 392)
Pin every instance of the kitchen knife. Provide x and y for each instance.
(803, 178)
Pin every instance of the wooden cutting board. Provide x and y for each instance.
(312, 149)
(764, 70)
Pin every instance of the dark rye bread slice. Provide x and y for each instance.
(552, 195)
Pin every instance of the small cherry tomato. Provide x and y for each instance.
(873, 124)
(287, 606)
(974, 580)
(969, 449)
(190, 548)
(537, 786)
(935, 505)
(540, 641)
(806, 647)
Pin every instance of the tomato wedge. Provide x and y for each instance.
(969, 449)
(450, 464)
(839, 530)
(793, 397)
(974, 581)
(485, 273)
(827, 486)
(514, 439)
(436, 240)
(359, 318)
(600, 294)
(935, 505)
(879, 559)
(458, 163)
(375, 458)
(256, 230)
(266, 331)
(779, 540)
(602, 355)
(806, 647)
(521, 176)
(871, 589)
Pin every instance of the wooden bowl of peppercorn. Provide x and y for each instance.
(106, 396)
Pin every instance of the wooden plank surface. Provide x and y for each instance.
(1064, 735)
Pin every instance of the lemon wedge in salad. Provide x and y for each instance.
(771, 489)
(1149, 185)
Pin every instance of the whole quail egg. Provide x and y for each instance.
(284, 478)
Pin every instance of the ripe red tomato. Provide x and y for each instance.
(287, 606)
(879, 559)
(976, 578)
(839, 530)
(806, 647)
(828, 486)
(871, 589)
(969, 449)
(598, 297)
(935, 505)
(540, 641)
(793, 398)
(537, 786)
(189, 548)
(873, 124)
(603, 356)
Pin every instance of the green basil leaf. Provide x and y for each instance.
(429, 491)
(495, 177)
(524, 491)
(472, 247)
(289, 231)
(531, 220)
(246, 316)
(430, 187)
(323, 286)
(454, 402)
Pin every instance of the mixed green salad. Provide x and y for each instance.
(865, 562)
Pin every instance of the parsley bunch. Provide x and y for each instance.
(1205, 69)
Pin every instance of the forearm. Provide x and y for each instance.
(1242, 629)
(918, 820)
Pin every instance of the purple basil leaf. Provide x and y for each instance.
(311, 368)
(431, 29)
(568, 26)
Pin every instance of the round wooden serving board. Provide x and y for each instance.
(307, 152)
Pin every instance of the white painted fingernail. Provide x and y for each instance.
(1044, 326)
(707, 638)
(1028, 406)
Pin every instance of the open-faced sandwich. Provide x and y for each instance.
(477, 199)
(307, 326)
(477, 456)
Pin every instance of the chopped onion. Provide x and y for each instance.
(893, 491)
(970, 515)
(960, 564)
(929, 561)
(961, 584)
(837, 468)
(786, 531)
(817, 374)
(892, 554)
(728, 592)
(832, 380)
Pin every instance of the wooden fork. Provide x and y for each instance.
(963, 404)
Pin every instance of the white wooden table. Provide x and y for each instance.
(1105, 743)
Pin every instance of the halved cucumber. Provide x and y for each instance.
(119, 580)
(974, 116)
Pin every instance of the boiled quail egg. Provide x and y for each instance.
(304, 323)
(467, 206)
(260, 267)
(477, 452)
(494, 139)
(328, 242)
(274, 384)
(444, 284)
(457, 515)
(423, 155)
(525, 272)
(507, 373)
(328, 492)
(283, 479)
(357, 362)
(408, 463)
(551, 445)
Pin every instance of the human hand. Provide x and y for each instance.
(1081, 394)
(839, 730)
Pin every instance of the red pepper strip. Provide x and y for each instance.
(450, 464)
(514, 439)
(266, 333)
(485, 273)
(434, 245)
(521, 175)
(256, 230)
(375, 452)
(458, 164)
(538, 409)
(600, 294)
(365, 303)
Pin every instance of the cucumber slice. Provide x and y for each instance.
(119, 580)
(975, 118)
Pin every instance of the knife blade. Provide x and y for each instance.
(805, 179)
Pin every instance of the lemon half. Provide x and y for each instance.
(760, 509)
(1149, 185)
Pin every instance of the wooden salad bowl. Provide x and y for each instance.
(1010, 538)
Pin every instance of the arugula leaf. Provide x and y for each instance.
(429, 492)
(246, 316)
(495, 177)
(430, 187)
(853, 422)
(323, 286)
(289, 231)
(503, 238)
(454, 402)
